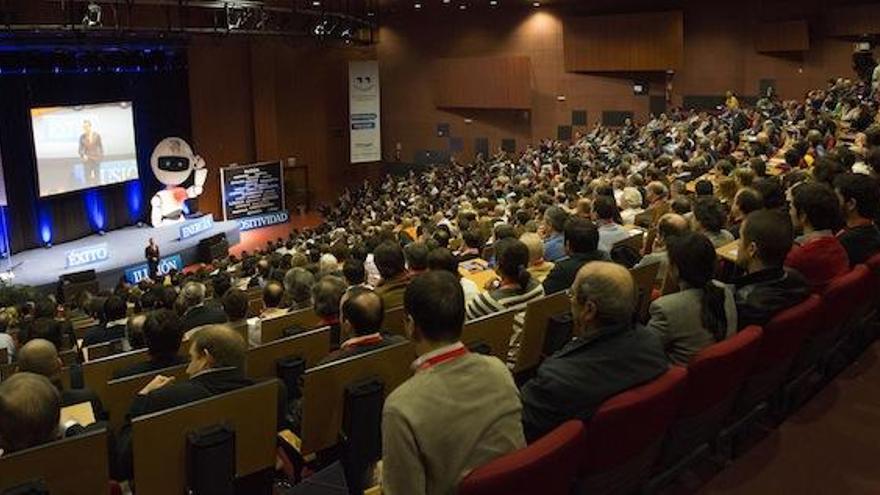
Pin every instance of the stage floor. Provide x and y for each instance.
(42, 267)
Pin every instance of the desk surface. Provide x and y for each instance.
(728, 251)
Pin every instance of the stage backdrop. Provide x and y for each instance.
(161, 109)
(363, 110)
(253, 195)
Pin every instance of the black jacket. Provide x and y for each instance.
(861, 243)
(760, 295)
(206, 314)
(154, 364)
(575, 381)
(564, 271)
(103, 333)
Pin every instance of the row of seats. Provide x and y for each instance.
(644, 437)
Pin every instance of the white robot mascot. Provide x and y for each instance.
(173, 161)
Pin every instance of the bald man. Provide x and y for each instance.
(607, 355)
(40, 356)
(670, 225)
(361, 314)
(30, 410)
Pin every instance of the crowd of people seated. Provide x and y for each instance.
(792, 185)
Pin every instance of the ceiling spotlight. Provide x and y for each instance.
(417, 6)
(446, 2)
(93, 16)
(371, 14)
(316, 3)
(536, 4)
(462, 7)
(493, 3)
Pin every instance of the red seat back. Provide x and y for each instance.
(782, 339)
(715, 377)
(546, 467)
(624, 436)
(718, 371)
(847, 294)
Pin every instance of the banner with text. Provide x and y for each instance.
(252, 190)
(136, 273)
(363, 109)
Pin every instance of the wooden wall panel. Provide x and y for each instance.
(483, 82)
(785, 36)
(854, 20)
(628, 42)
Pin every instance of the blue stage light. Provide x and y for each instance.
(95, 209)
(134, 195)
(45, 225)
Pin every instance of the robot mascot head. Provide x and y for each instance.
(173, 161)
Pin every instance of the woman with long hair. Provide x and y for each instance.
(685, 332)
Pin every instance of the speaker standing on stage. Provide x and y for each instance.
(152, 254)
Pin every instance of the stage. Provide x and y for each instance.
(114, 252)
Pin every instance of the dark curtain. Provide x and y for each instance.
(161, 109)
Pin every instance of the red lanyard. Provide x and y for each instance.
(449, 355)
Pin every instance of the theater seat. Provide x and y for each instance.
(715, 377)
(844, 302)
(624, 437)
(781, 340)
(546, 467)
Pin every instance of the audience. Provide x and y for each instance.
(459, 411)
(703, 311)
(360, 319)
(162, 336)
(197, 313)
(767, 288)
(41, 357)
(860, 201)
(608, 354)
(30, 412)
(273, 294)
(443, 259)
(326, 297)
(539, 268)
(391, 263)
(709, 220)
(7, 341)
(818, 255)
(554, 239)
(610, 232)
(113, 326)
(581, 247)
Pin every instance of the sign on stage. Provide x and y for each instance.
(260, 221)
(139, 272)
(192, 228)
(87, 255)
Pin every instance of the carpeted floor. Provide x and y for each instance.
(830, 446)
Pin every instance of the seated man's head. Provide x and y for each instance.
(216, 346)
(416, 256)
(859, 197)
(764, 241)
(390, 260)
(535, 246)
(40, 356)
(163, 333)
(273, 293)
(326, 295)
(193, 294)
(30, 410)
(746, 201)
(604, 208)
(434, 302)
(603, 295)
(554, 219)
(235, 304)
(814, 206)
(298, 283)
(362, 312)
(581, 236)
(115, 308)
(670, 225)
(709, 214)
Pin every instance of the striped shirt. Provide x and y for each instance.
(504, 298)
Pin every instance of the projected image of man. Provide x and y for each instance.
(91, 151)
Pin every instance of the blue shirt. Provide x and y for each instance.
(554, 247)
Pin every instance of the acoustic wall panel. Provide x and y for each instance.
(788, 36)
(483, 82)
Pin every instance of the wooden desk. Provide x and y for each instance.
(312, 346)
(120, 393)
(644, 277)
(273, 328)
(97, 373)
(71, 466)
(635, 240)
(538, 314)
(394, 321)
(728, 251)
(493, 330)
(324, 390)
(159, 439)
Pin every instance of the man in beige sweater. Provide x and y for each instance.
(459, 411)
